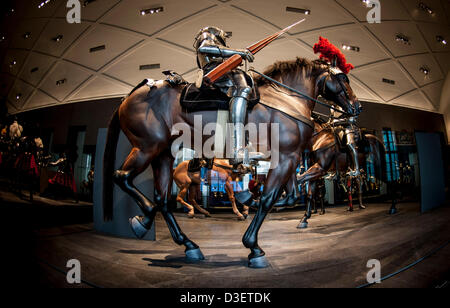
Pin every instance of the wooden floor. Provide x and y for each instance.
(333, 252)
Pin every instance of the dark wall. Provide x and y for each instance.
(96, 114)
(93, 115)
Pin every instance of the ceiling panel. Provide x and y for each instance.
(33, 27)
(99, 87)
(418, 14)
(115, 41)
(323, 13)
(6, 82)
(73, 76)
(12, 55)
(127, 69)
(224, 18)
(444, 61)
(23, 90)
(430, 31)
(55, 28)
(36, 66)
(354, 36)
(387, 31)
(39, 99)
(433, 92)
(361, 92)
(390, 10)
(127, 14)
(413, 64)
(92, 11)
(373, 78)
(414, 99)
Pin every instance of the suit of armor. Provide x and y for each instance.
(210, 44)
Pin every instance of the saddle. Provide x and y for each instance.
(212, 98)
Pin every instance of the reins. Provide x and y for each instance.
(298, 92)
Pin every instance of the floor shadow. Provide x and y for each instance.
(213, 261)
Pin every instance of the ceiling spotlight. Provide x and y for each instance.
(27, 35)
(425, 70)
(425, 8)
(58, 38)
(352, 48)
(43, 3)
(2, 38)
(87, 2)
(154, 10)
(61, 82)
(441, 40)
(12, 63)
(402, 39)
(18, 96)
(297, 10)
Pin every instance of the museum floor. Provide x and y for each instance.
(333, 252)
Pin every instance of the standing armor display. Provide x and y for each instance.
(210, 44)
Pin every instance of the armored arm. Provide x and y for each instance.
(226, 52)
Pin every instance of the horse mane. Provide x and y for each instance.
(283, 68)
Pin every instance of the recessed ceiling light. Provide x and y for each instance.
(12, 63)
(18, 96)
(27, 35)
(151, 11)
(2, 38)
(298, 10)
(389, 81)
(34, 70)
(402, 39)
(61, 82)
(58, 38)
(425, 70)
(149, 67)
(98, 48)
(352, 48)
(43, 3)
(426, 8)
(441, 40)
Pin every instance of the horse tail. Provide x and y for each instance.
(379, 152)
(109, 159)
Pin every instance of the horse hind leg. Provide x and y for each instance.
(229, 190)
(180, 198)
(310, 202)
(137, 161)
(195, 204)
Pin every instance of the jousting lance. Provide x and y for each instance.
(234, 61)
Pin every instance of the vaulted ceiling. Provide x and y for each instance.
(39, 71)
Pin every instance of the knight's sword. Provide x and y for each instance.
(236, 60)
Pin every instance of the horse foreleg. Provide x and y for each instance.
(180, 198)
(162, 170)
(276, 179)
(309, 201)
(229, 190)
(136, 162)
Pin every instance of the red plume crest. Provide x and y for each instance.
(329, 51)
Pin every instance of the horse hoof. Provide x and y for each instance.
(322, 213)
(392, 211)
(362, 207)
(258, 262)
(302, 225)
(245, 216)
(194, 255)
(190, 216)
(136, 226)
(241, 218)
(350, 209)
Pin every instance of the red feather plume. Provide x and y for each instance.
(329, 51)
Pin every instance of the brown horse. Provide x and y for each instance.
(187, 182)
(149, 113)
(326, 156)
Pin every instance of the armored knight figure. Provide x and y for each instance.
(211, 48)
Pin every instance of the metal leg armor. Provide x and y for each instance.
(238, 111)
(353, 152)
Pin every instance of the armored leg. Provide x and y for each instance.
(353, 153)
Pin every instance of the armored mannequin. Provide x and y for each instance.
(211, 48)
